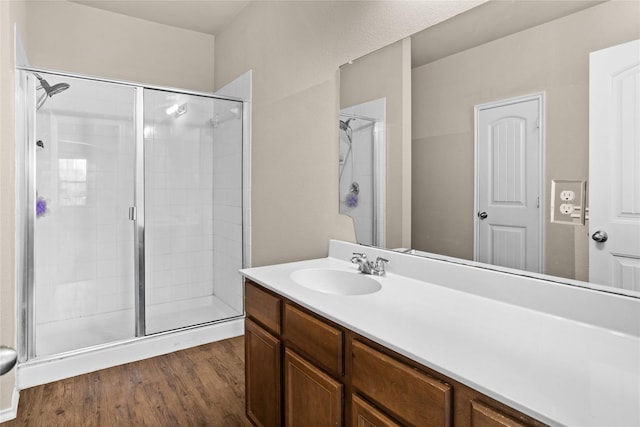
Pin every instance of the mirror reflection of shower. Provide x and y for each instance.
(48, 90)
(361, 170)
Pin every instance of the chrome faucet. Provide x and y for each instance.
(367, 267)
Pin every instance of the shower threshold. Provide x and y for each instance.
(67, 364)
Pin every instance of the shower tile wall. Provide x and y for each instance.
(179, 209)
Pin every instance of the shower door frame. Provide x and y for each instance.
(25, 262)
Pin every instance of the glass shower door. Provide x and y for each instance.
(83, 278)
(193, 209)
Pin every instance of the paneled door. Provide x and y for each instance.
(508, 175)
(614, 166)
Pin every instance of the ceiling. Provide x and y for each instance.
(485, 23)
(205, 16)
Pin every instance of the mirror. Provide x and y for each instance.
(436, 86)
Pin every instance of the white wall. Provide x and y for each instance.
(294, 50)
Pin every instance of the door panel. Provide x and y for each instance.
(508, 231)
(84, 276)
(193, 209)
(614, 165)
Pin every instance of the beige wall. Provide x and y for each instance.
(294, 50)
(76, 38)
(381, 74)
(553, 58)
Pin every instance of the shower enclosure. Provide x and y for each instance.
(133, 221)
(362, 170)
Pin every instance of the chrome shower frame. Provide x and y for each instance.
(26, 195)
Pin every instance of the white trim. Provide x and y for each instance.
(540, 97)
(59, 367)
(10, 413)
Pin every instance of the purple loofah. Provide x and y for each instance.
(41, 207)
(351, 200)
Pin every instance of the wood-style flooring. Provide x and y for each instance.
(200, 386)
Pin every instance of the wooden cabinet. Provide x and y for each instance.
(365, 415)
(484, 416)
(262, 370)
(304, 370)
(320, 342)
(263, 307)
(409, 394)
(312, 398)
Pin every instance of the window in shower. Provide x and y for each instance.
(193, 209)
(72, 182)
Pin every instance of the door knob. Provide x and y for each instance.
(600, 236)
(482, 215)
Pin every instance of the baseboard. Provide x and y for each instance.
(39, 372)
(11, 413)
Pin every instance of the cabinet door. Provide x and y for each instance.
(312, 398)
(366, 415)
(262, 370)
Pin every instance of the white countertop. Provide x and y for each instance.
(557, 369)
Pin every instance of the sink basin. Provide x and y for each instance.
(336, 282)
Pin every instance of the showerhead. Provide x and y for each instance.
(49, 90)
(57, 88)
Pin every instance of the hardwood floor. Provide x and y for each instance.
(200, 386)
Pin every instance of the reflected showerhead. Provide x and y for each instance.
(49, 90)
(346, 128)
(345, 125)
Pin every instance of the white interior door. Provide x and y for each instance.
(508, 174)
(614, 166)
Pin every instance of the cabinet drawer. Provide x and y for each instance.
(485, 416)
(313, 337)
(262, 306)
(418, 399)
(366, 415)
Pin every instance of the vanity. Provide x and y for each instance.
(434, 343)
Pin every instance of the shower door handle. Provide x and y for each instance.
(133, 214)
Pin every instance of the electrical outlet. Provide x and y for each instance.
(567, 201)
(566, 208)
(567, 195)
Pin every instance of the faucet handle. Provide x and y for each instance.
(360, 254)
(380, 261)
(378, 268)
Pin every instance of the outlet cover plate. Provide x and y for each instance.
(563, 211)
